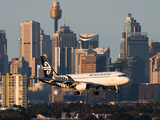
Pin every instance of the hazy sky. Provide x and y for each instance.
(106, 17)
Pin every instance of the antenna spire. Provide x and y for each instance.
(64, 19)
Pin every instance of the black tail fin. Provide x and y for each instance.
(47, 68)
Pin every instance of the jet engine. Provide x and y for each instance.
(82, 86)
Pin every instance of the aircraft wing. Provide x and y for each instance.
(71, 83)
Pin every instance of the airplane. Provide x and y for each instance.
(83, 81)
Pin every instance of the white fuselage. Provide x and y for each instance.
(103, 78)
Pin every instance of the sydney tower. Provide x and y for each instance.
(55, 14)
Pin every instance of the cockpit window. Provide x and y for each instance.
(121, 75)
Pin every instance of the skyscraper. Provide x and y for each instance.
(64, 60)
(30, 40)
(3, 53)
(63, 38)
(14, 90)
(46, 45)
(134, 42)
(87, 41)
(134, 68)
(131, 25)
(3, 43)
(154, 48)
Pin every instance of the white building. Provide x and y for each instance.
(14, 90)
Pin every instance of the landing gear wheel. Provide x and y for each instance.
(117, 91)
(77, 93)
(95, 93)
(116, 87)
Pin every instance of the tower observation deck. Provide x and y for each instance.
(55, 14)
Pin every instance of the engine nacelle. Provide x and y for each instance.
(82, 86)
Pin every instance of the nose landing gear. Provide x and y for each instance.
(116, 87)
(95, 92)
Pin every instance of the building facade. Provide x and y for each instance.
(92, 60)
(88, 41)
(154, 69)
(20, 66)
(64, 37)
(29, 40)
(3, 53)
(64, 60)
(14, 90)
(46, 45)
(134, 68)
(154, 48)
(149, 91)
(134, 42)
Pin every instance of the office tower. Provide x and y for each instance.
(46, 45)
(3, 43)
(14, 90)
(3, 53)
(88, 41)
(134, 42)
(154, 48)
(64, 60)
(55, 14)
(131, 25)
(134, 68)
(92, 60)
(63, 38)
(154, 69)
(20, 66)
(30, 40)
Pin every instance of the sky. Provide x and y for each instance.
(106, 17)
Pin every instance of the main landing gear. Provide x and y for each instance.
(77, 93)
(116, 87)
(95, 92)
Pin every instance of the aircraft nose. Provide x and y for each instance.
(126, 80)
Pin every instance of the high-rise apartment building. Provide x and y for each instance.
(14, 90)
(29, 40)
(134, 42)
(63, 38)
(154, 69)
(3, 53)
(154, 48)
(88, 41)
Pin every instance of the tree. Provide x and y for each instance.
(68, 115)
(90, 117)
(57, 115)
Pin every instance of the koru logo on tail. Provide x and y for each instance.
(47, 68)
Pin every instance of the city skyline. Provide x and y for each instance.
(104, 17)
